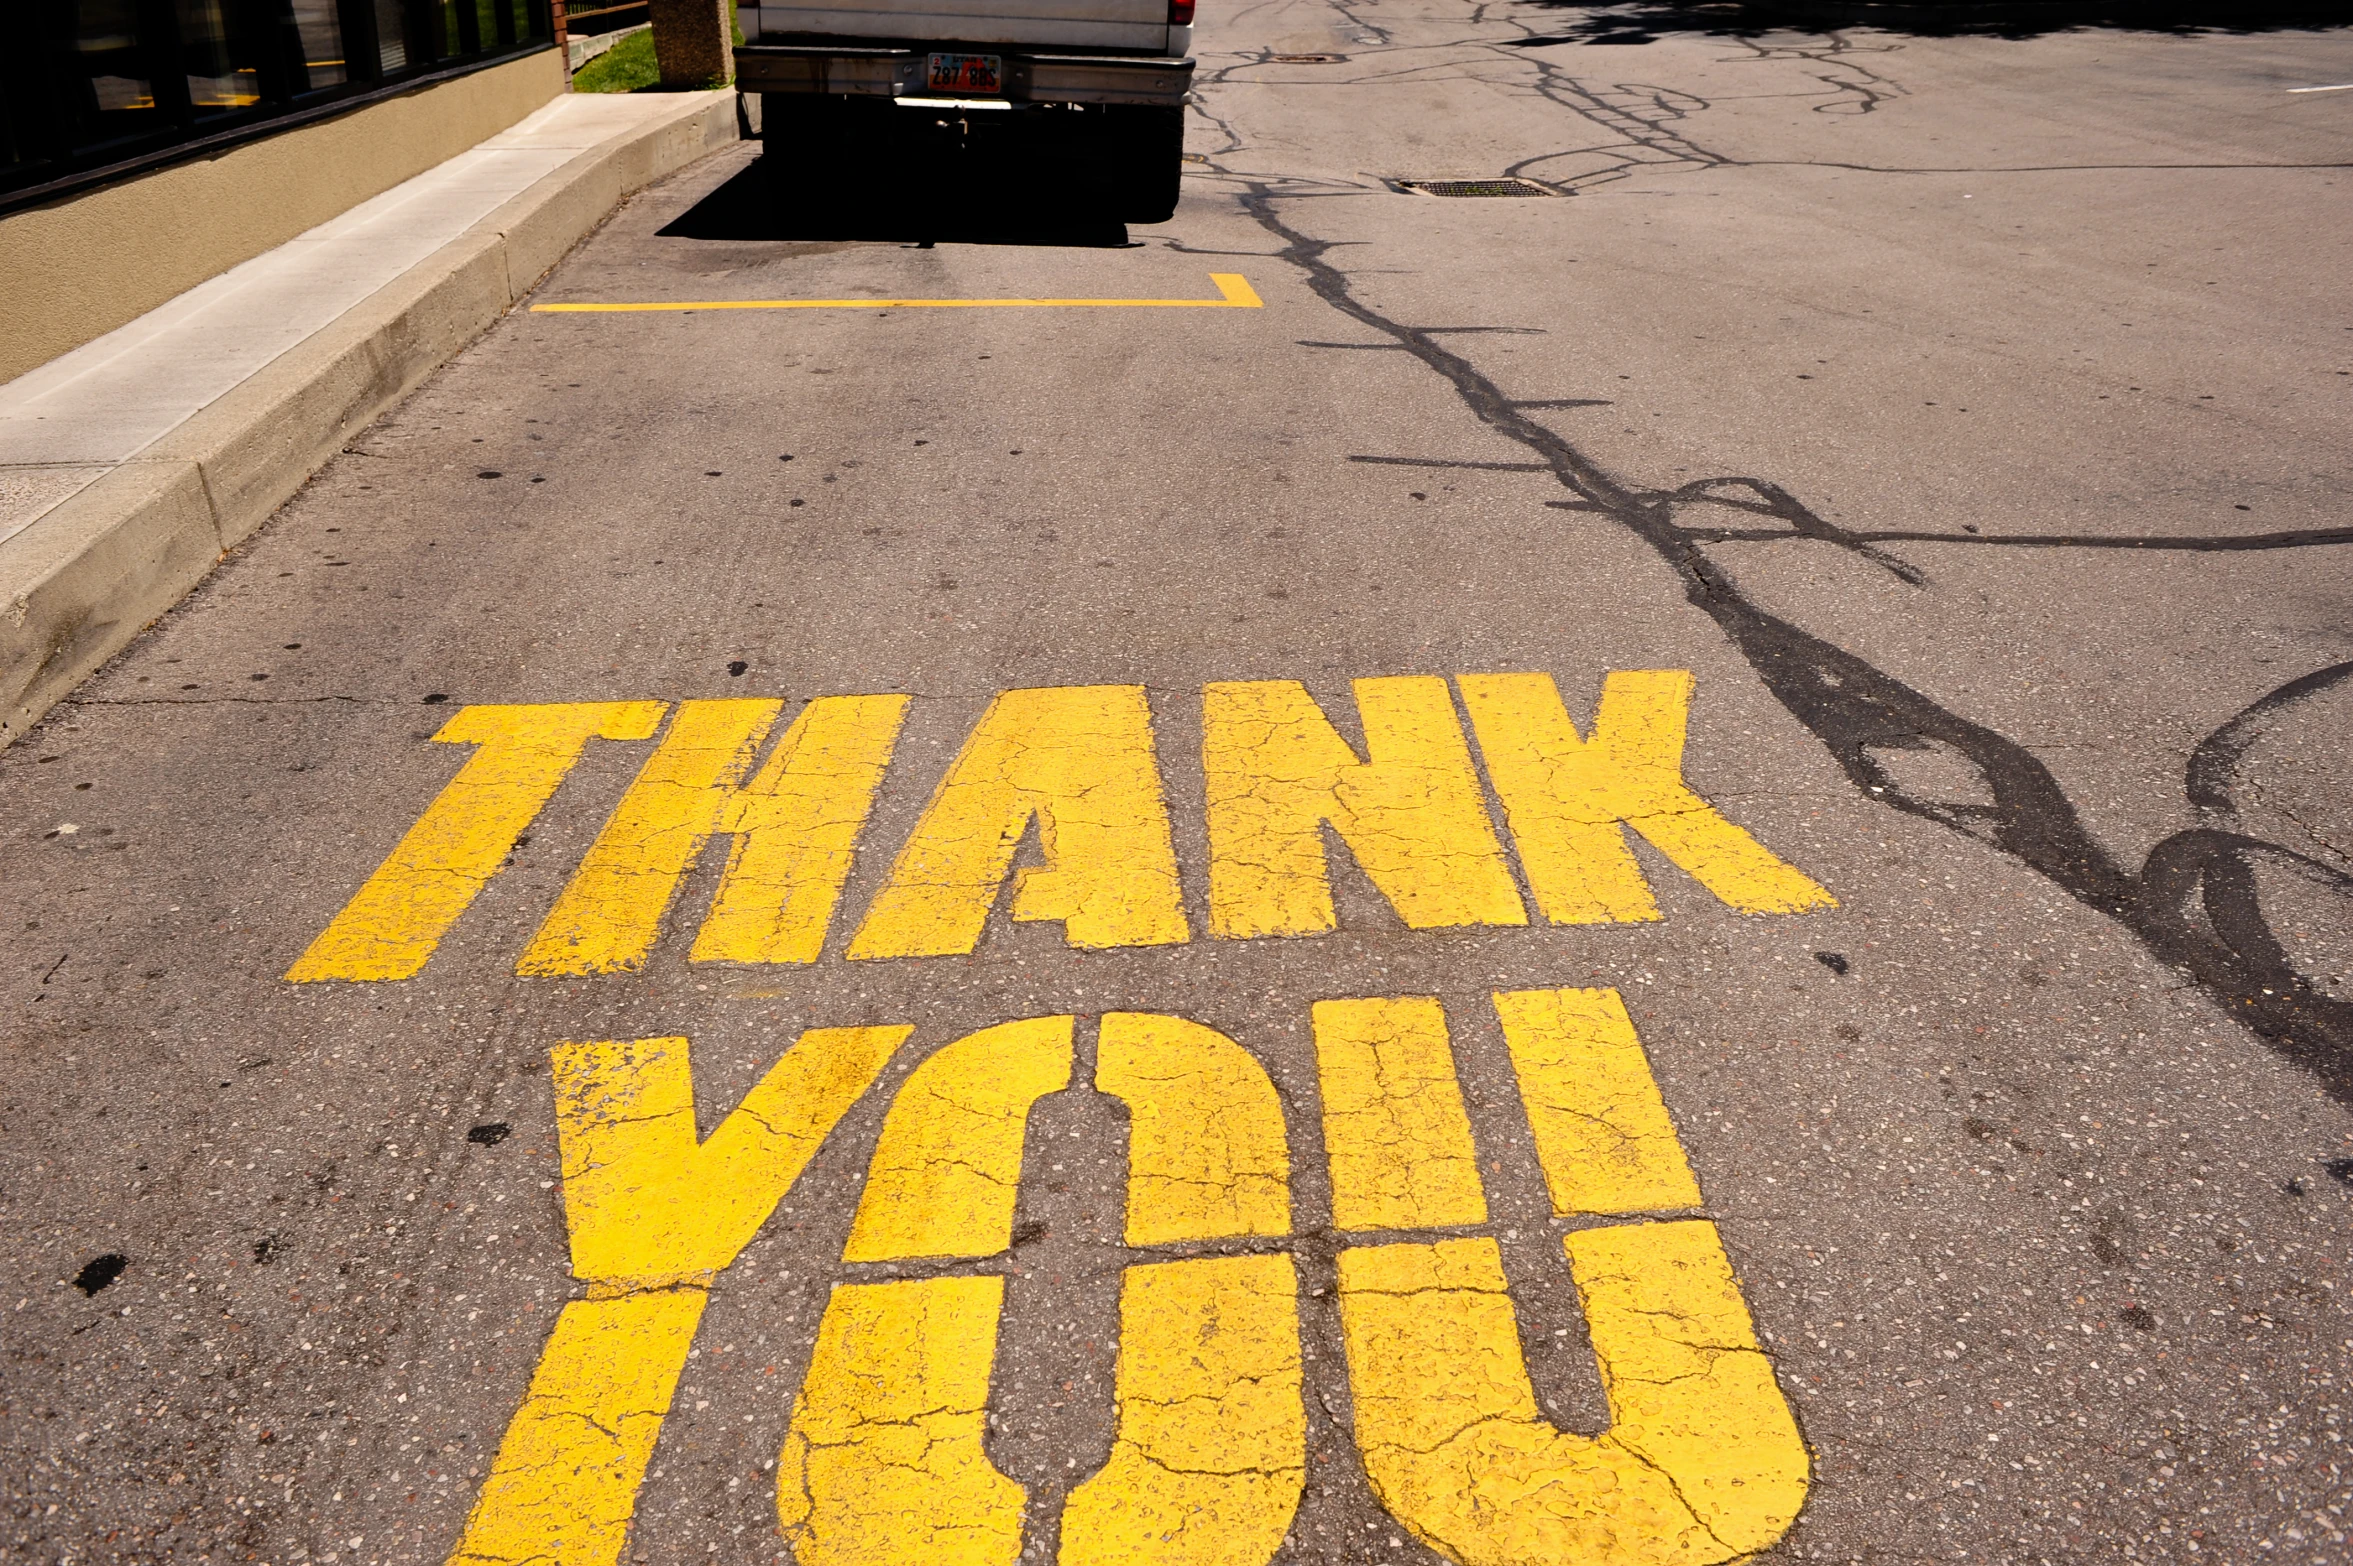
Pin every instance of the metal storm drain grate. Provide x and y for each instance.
(1475, 187)
(1306, 59)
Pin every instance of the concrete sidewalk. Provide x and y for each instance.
(129, 466)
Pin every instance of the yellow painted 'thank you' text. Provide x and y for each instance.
(1073, 772)
(885, 1460)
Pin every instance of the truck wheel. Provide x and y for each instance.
(1151, 157)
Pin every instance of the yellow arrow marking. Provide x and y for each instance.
(1234, 293)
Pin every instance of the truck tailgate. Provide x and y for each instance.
(1135, 26)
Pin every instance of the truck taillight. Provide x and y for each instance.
(1180, 13)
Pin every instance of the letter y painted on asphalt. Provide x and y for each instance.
(655, 1217)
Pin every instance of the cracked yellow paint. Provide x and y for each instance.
(1207, 1155)
(796, 831)
(883, 1464)
(1412, 812)
(400, 913)
(796, 827)
(1602, 1130)
(1702, 1463)
(1565, 797)
(1210, 1455)
(1395, 1130)
(655, 1215)
(647, 1203)
(1690, 1391)
(947, 1166)
(564, 1487)
(612, 908)
(1078, 760)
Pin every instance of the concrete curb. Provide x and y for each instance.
(77, 586)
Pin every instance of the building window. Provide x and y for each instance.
(392, 40)
(109, 87)
(220, 67)
(318, 27)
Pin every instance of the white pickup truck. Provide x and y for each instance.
(1086, 94)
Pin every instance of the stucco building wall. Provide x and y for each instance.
(81, 267)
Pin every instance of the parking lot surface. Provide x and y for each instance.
(1655, 871)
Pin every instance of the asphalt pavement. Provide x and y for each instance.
(1652, 871)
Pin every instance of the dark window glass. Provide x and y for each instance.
(92, 84)
(392, 36)
(320, 30)
(223, 74)
(99, 87)
(23, 131)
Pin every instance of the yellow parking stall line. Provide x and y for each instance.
(1234, 293)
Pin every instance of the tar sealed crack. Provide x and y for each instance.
(2194, 903)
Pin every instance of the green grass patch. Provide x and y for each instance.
(629, 66)
(626, 67)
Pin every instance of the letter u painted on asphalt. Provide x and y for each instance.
(884, 1462)
(1702, 1462)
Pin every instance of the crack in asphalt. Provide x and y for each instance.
(1641, 118)
(2193, 905)
(225, 701)
(1805, 524)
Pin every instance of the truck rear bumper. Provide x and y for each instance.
(899, 73)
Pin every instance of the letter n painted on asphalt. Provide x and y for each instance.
(394, 921)
(1411, 811)
(796, 828)
(655, 1217)
(1565, 797)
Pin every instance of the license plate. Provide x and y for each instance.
(967, 73)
